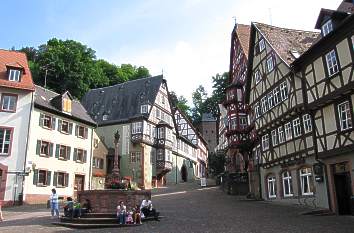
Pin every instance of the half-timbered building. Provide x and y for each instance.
(285, 149)
(327, 69)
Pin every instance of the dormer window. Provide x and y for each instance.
(327, 27)
(14, 75)
(67, 105)
(144, 108)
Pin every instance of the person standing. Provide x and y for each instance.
(1, 217)
(54, 205)
(121, 212)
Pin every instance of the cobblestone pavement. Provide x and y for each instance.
(188, 208)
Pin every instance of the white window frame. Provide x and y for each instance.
(272, 187)
(276, 96)
(243, 121)
(332, 63)
(270, 100)
(327, 27)
(264, 102)
(286, 177)
(288, 131)
(305, 180)
(345, 116)
(14, 75)
(261, 45)
(7, 133)
(307, 123)
(8, 101)
(297, 127)
(137, 127)
(144, 108)
(257, 76)
(265, 142)
(274, 137)
(257, 110)
(283, 91)
(233, 123)
(270, 64)
(281, 134)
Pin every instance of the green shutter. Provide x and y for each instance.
(66, 179)
(85, 156)
(49, 176)
(35, 176)
(75, 154)
(38, 149)
(69, 152)
(51, 145)
(57, 151)
(59, 125)
(76, 130)
(55, 179)
(70, 128)
(53, 123)
(41, 119)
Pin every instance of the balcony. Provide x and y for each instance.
(163, 167)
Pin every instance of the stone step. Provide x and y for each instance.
(96, 225)
(99, 220)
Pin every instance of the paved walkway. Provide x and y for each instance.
(189, 208)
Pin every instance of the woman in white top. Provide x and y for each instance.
(121, 212)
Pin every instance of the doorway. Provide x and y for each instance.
(342, 183)
(79, 184)
(184, 173)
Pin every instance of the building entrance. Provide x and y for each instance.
(342, 184)
(184, 173)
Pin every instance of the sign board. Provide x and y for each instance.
(203, 182)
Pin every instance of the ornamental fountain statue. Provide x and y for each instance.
(113, 180)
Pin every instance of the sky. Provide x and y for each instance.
(186, 40)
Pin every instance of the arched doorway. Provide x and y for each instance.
(184, 173)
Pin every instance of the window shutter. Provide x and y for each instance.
(59, 125)
(101, 164)
(76, 129)
(38, 149)
(53, 123)
(75, 154)
(70, 128)
(57, 151)
(85, 156)
(49, 177)
(41, 119)
(35, 176)
(55, 179)
(66, 180)
(86, 132)
(69, 152)
(51, 147)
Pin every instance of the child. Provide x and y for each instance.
(129, 217)
(137, 215)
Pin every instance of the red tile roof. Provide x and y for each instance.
(243, 33)
(19, 60)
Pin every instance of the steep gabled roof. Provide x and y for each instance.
(121, 102)
(46, 99)
(288, 43)
(243, 33)
(16, 60)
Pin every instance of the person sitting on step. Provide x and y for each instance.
(137, 215)
(147, 209)
(69, 207)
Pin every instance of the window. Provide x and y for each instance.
(327, 27)
(243, 122)
(5, 141)
(81, 131)
(274, 137)
(233, 123)
(307, 123)
(257, 76)
(162, 100)
(161, 133)
(105, 117)
(97, 163)
(281, 134)
(135, 157)
(45, 148)
(271, 187)
(345, 116)
(8, 102)
(288, 133)
(144, 108)
(270, 100)
(256, 110)
(14, 75)
(270, 64)
(160, 154)
(287, 184)
(264, 104)
(80, 155)
(261, 45)
(158, 113)
(137, 127)
(297, 127)
(65, 127)
(283, 91)
(265, 142)
(168, 155)
(64, 152)
(61, 179)
(276, 95)
(46, 121)
(306, 181)
(41, 177)
(332, 64)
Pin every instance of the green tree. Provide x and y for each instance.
(181, 102)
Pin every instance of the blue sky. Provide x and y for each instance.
(188, 39)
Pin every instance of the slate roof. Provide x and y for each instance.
(45, 99)
(243, 33)
(121, 102)
(285, 41)
(17, 60)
